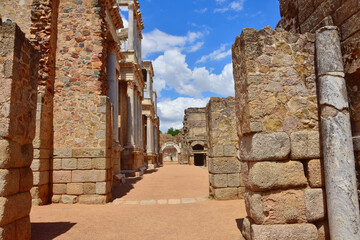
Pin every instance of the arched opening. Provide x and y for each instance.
(199, 156)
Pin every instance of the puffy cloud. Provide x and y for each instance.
(237, 5)
(157, 41)
(171, 112)
(203, 10)
(171, 68)
(218, 54)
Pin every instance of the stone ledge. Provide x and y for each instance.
(284, 232)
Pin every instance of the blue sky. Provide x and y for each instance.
(189, 42)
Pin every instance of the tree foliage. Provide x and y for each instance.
(173, 131)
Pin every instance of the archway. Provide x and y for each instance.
(199, 155)
(170, 152)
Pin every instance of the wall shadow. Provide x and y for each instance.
(49, 230)
(121, 190)
(239, 223)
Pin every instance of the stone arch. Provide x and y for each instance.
(198, 143)
(170, 144)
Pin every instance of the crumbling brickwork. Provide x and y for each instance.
(18, 94)
(224, 167)
(276, 108)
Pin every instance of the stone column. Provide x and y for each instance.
(131, 27)
(337, 145)
(130, 113)
(19, 74)
(148, 134)
(148, 83)
(113, 92)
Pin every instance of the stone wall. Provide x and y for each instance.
(18, 94)
(82, 114)
(193, 133)
(38, 19)
(303, 16)
(224, 167)
(278, 129)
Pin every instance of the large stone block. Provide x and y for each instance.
(84, 163)
(14, 207)
(276, 207)
(315, 204)
(9, 181)
(26, 179)
(225, 193)
(69, 163)
(233, 180)
(89, 152)
(220, 180)
(224, 165)
(89, 176)
(264, 176)
(14, 155)
(59, 189)
(103, 187)
(315, 174)
(20, 229)
(89, 188)
(265, 146)
(101, 163)
(246, 228)
(61, 176)
(284, 232)
(74, 188)
(69, 199)
(305, 145)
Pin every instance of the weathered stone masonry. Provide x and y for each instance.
(224, 167)
(276, 107)
(18, 94)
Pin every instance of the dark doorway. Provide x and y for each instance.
(199, 159)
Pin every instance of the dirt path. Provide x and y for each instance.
(169, 203)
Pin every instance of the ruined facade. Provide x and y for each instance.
(224, 166)
(194, 145)
(85, 118)
(170, 148)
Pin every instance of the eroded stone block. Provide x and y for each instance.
(284, 232)
(305, 145)
(315, 174)
(315, 204)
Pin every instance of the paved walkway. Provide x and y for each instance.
(167, 203)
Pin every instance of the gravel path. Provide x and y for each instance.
(168, 203)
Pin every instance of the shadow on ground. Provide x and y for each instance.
(49, 230)
(121, 190)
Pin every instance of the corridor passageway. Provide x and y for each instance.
(167, 203)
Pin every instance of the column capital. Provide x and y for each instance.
(131, 5)
(130, 84)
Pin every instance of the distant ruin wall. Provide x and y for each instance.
(18, 94)
(278, 130)
(224, 167)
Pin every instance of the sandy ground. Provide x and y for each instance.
(167, 203)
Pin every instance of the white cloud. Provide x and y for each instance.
(171, 68)
(203, 10)
(158, 41)
(124, 8)
(237, 6)
(216, 55)
(124, 19)
(171, 112)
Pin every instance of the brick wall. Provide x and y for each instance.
(276, 107)
(18, 94)
(224, 167)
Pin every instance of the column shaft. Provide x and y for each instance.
(113, 92)
(131, 27)
(130, 116)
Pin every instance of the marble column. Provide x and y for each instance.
(148, 134)
(130, 113)
(131, 27)
(148, 83)
(113, 92)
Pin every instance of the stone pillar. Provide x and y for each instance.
(18, 95)
(113, 92)
(148, 135)
(337, 145)
(148, 83)
(131, 27)
(130, 113)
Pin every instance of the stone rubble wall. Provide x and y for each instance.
(278, 130)
(303, 16)
(82, 114)
(224, 167)
(18, 95)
